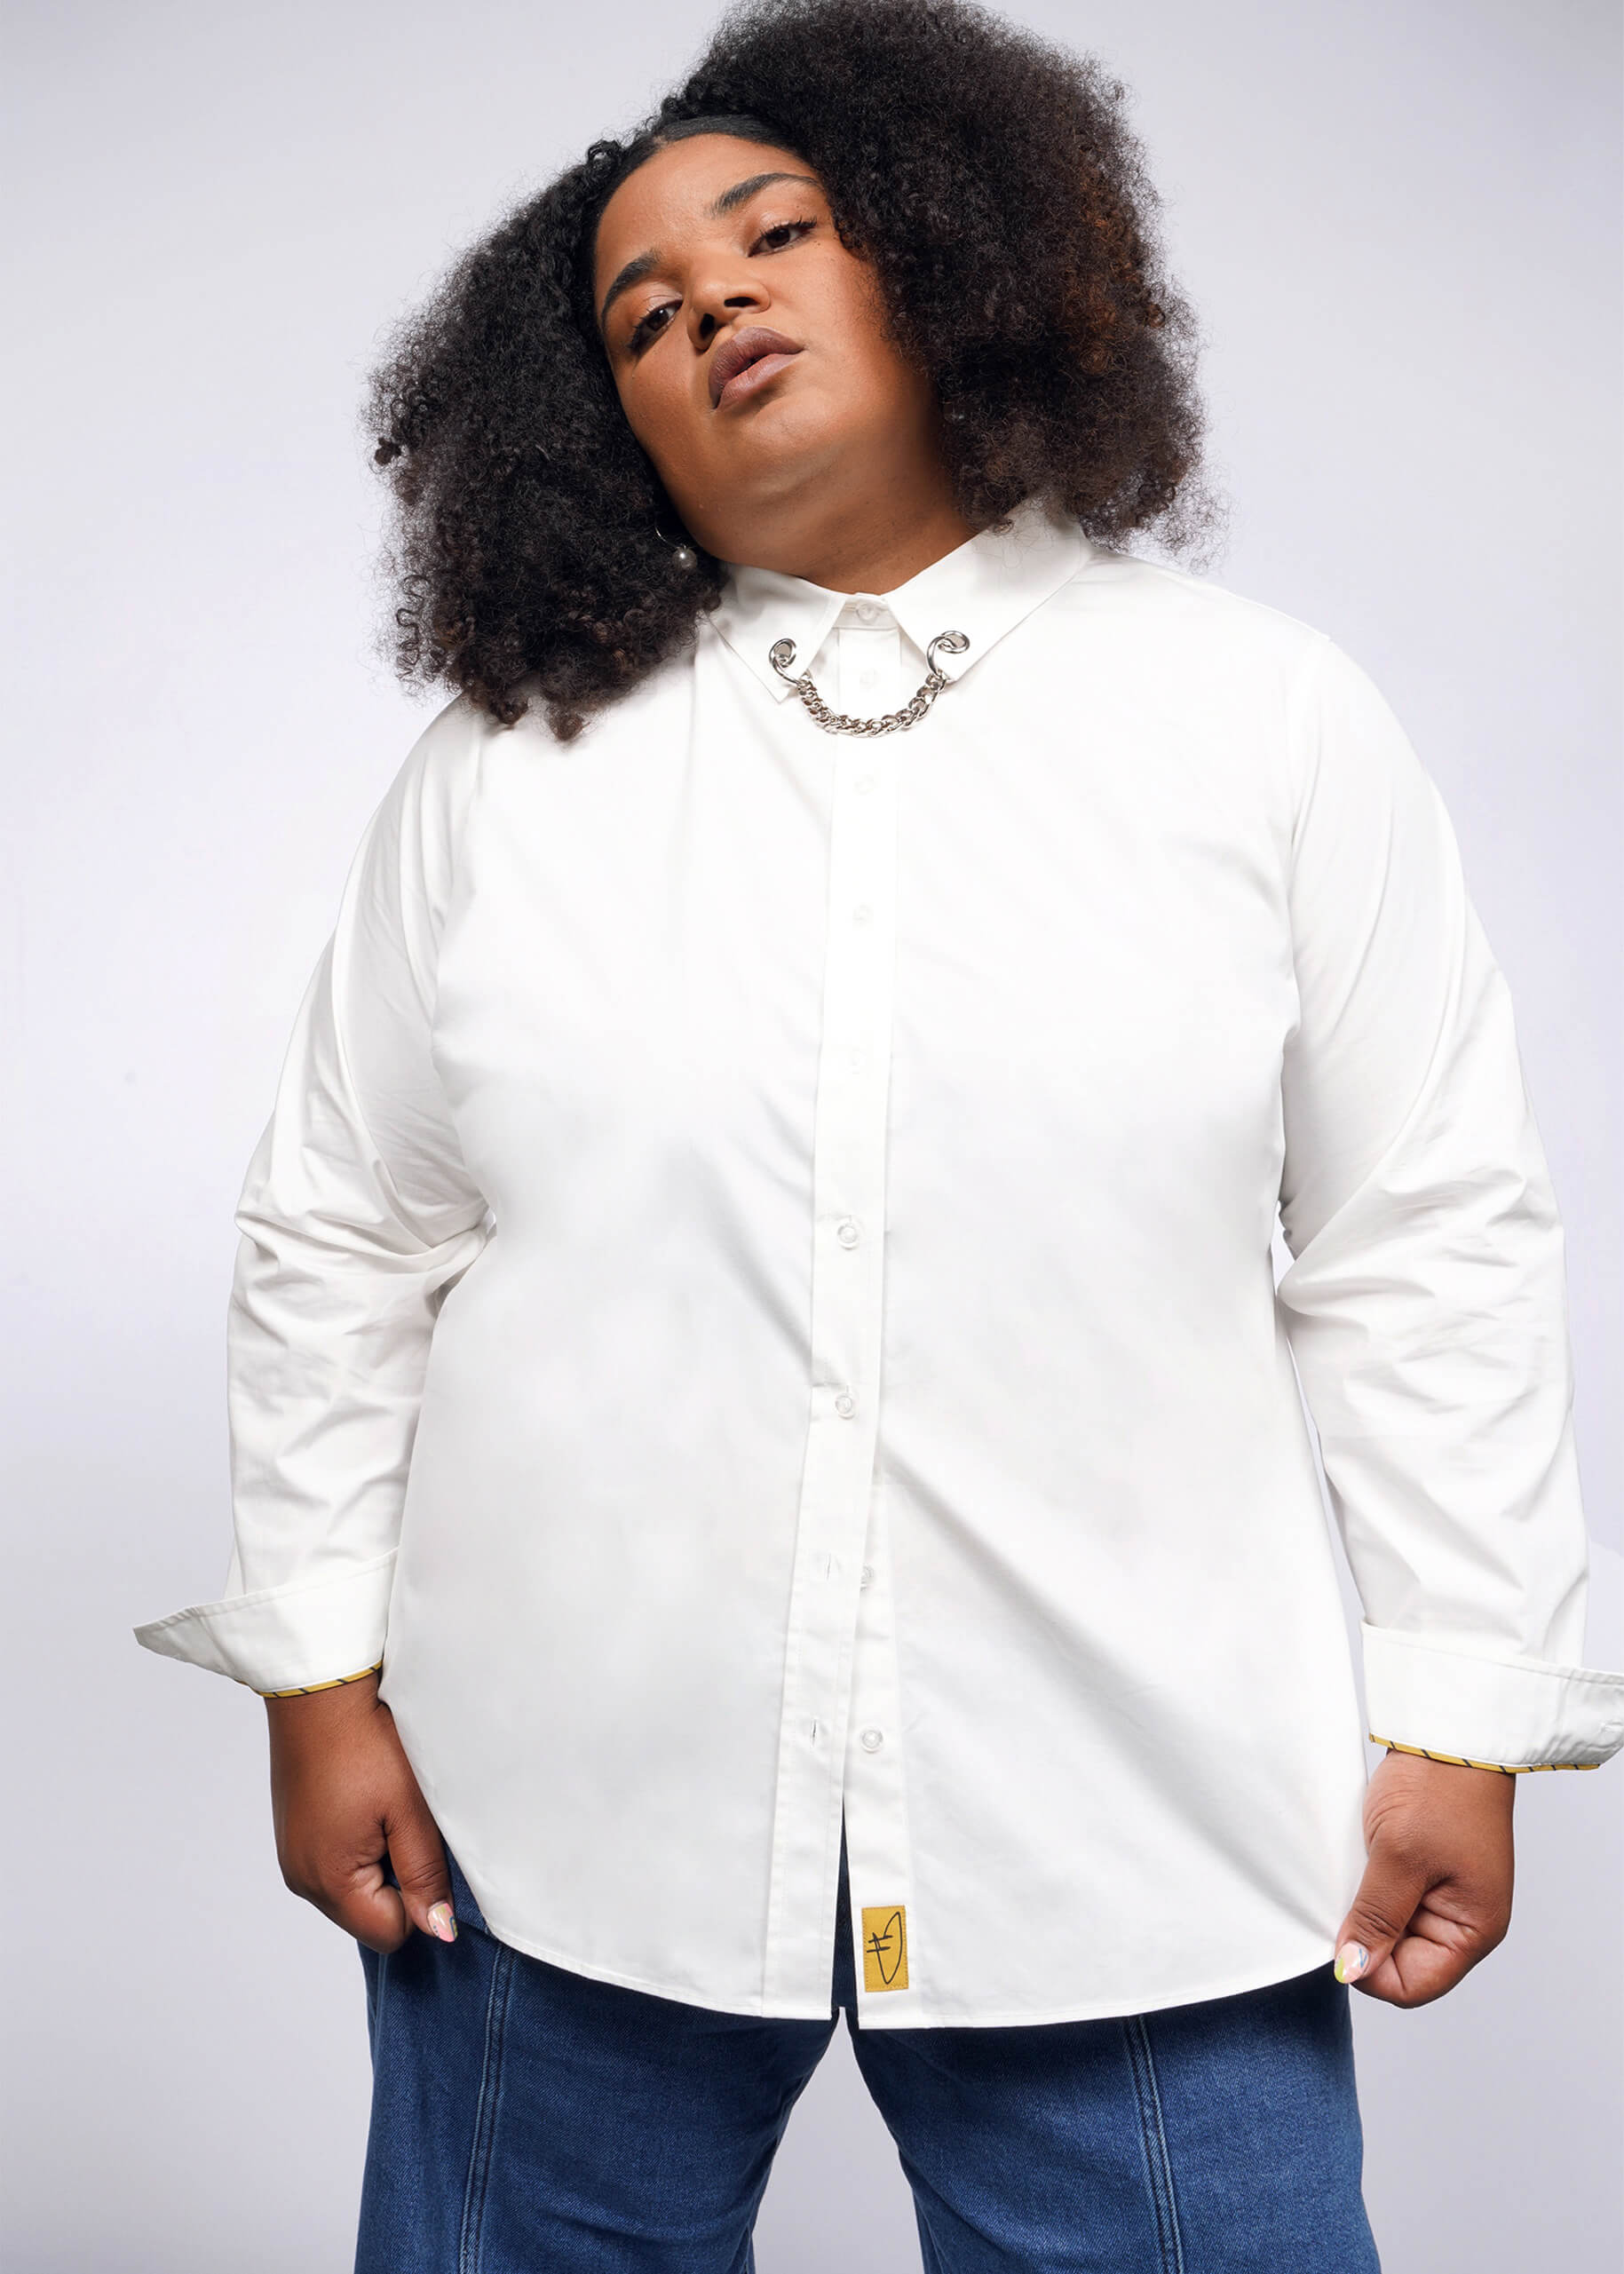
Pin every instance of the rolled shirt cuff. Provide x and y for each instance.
(307, 1634)
(1486, 1710)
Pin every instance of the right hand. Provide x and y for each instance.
(343, 1797)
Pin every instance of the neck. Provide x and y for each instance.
(849, 533)
(871, 552)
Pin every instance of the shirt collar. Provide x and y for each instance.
(982, 587)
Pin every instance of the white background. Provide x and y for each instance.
(1399, 222)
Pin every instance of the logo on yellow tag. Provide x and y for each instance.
(884, 1947)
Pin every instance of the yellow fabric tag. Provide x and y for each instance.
(884, 1947)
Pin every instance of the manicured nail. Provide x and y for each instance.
(442, 1922)
(1352, 1960)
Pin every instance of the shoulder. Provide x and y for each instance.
(447, 751)
(1170, 619)
(1180, 638)
(1180, 652)
(419, 822)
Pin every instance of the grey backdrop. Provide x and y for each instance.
(1400, 221)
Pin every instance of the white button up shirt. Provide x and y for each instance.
(755, 1298)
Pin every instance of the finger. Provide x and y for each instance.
(344, 1873)
(1390, 1893)
(1428, 1960)
(352, 1891)
(418, 1855)
(371, 1909)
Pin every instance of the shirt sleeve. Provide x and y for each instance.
(357, 1215)
(1425, 1301)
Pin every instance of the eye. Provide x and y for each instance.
(785, 233)
(776, 239)
(647, 329)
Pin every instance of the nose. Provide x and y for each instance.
(723, 298)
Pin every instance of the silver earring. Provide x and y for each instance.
(684, 555)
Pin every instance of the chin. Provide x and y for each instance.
(781, 441)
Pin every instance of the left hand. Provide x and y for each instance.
(1436, 1892)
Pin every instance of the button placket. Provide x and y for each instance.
(849, 1148)
(868, 667)
(878, 1850)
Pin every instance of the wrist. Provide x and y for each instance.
(338, 1682)
(1433, 1801)
(297, 1715)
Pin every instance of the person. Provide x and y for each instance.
(769, 1477)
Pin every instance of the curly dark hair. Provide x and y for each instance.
(989, 180)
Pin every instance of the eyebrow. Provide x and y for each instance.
(729, 201)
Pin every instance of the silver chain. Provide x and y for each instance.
(782, 654)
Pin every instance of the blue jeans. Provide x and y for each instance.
(529, 2120)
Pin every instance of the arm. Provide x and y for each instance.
(357, 1215)
(1425, 1306)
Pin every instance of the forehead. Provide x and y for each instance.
(670, 195)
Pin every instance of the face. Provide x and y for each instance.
(749, 349)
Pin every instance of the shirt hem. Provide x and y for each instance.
(756, 2009)
(870, 2013)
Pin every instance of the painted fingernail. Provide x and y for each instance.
(1352, 1960)
(442, 1922)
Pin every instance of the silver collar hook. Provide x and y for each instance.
(782, 655)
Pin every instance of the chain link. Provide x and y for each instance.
(782, 654)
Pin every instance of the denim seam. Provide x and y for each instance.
(377, 1985)
(1159, 2163)
(469, 2245)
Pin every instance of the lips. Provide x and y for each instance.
(741, 353)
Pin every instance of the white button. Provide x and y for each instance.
(866, 1575)
(845, 1405)
(868, 611)
(863, 913)
(873, 1738)
(863, 784)
(847, 1232)
(869, 679)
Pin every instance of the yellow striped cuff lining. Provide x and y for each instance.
(1455, 1760)
(309, 1688)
